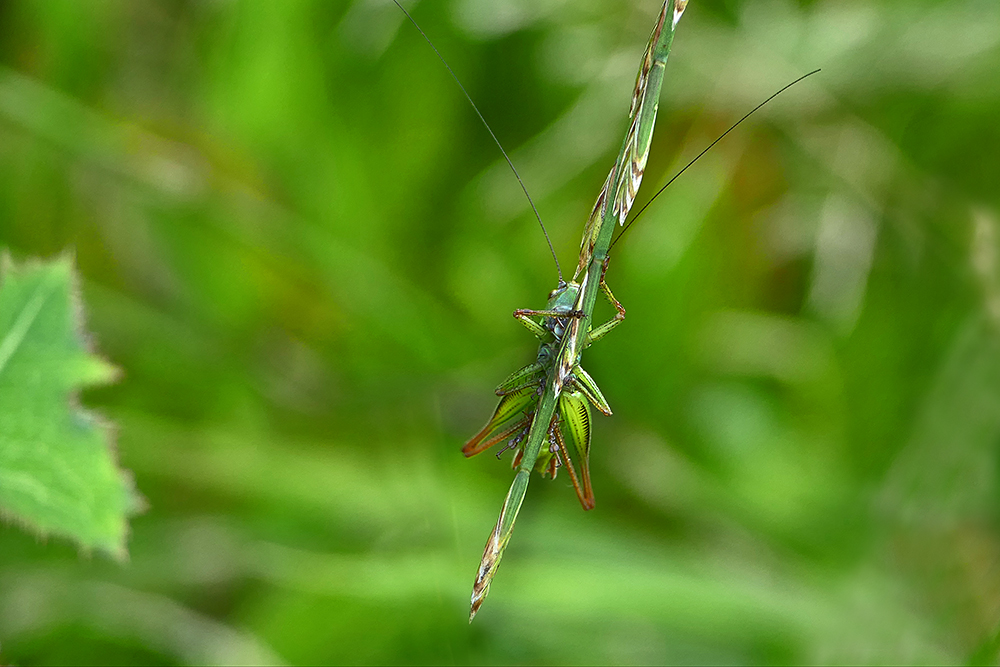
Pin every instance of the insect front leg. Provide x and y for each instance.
(598, 333)
(540, 332)
(524, 316)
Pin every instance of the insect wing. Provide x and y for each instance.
(574, 429)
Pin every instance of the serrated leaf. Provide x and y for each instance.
(58, 474)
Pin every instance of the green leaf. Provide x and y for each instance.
(57, 470)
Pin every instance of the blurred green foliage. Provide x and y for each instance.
(302, 249)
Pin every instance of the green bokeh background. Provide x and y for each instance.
(302, 249)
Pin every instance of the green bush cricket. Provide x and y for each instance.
(545, 404)
(543, 412)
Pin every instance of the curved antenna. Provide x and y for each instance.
(490, 130)
(721, 137)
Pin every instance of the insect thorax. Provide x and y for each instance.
(562, 299)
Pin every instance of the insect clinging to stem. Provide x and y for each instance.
(544, 410)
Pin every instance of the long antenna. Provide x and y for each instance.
(721, 137)
(490, 130)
